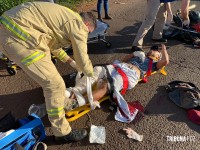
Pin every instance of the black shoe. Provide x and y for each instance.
(99, 18)
(162, 40)
(136, 48)
(108, 17)
(73, 136)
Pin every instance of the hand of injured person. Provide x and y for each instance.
(140, 54)
(133, 135)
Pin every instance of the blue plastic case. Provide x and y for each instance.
(26, 136)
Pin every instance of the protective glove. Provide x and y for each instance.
(186, 23)
(140, 54)
(73, 64)
(132, 134)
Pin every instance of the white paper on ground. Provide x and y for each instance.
(97, 134)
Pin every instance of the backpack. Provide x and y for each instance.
(184, 94)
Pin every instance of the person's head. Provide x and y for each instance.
(89, 19)
(154, 53)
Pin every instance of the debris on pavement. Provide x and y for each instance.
(119, 3)
(133, 135)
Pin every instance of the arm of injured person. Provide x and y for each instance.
(139, 54)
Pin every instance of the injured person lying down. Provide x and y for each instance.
(119, 76)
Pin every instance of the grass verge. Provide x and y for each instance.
(73, 4)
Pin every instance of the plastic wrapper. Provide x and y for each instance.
(133, 135)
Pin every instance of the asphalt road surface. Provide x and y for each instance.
(163, 119)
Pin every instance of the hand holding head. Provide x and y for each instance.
(154, 53)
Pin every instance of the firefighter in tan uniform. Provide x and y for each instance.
(29, 33)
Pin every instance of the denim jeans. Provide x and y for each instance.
(99, 6)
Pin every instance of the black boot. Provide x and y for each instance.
(108, 17)
(136, 48)
(73, 136)
(99, 17)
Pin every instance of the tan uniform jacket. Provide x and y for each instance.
(51, 27)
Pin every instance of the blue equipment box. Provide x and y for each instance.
(29, 133)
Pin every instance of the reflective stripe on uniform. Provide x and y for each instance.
(55, 112)
(14, 28)
(32, 58)
(61, 55)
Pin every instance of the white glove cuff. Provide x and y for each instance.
(73, 64)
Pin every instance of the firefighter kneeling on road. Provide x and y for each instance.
(29, 33)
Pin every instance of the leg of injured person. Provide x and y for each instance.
(100, 89)
(98, 82)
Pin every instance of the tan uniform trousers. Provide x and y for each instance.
(45, 74)
(155, 13)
